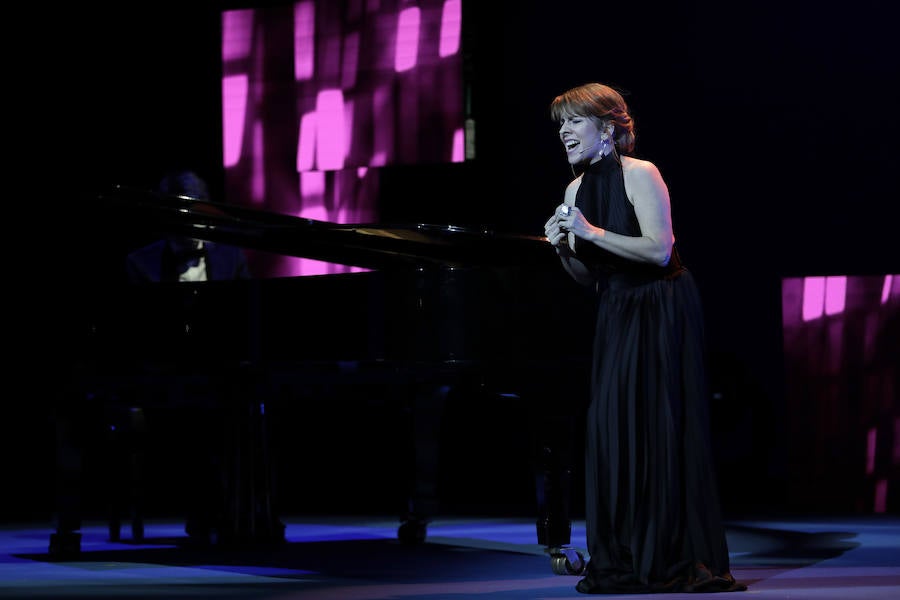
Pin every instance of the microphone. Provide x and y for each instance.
(564, 211)
(588, 150)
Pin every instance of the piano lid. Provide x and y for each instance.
(372, 246)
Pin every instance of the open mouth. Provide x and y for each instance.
(571, 144)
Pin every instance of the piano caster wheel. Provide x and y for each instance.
(412, 531)
(566, 561)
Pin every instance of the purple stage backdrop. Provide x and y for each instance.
(842, 343)
(318, 95)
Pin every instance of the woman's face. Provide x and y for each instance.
(581, 138)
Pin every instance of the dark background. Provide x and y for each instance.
(774, 123)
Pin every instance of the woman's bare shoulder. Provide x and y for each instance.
(632, 165)
(640, 172)
(642, 179)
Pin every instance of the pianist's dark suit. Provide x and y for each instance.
(159, 262)
(166, 261)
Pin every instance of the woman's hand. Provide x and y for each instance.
(575, 223)
(555, 229)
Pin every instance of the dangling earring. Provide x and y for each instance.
(604, 145)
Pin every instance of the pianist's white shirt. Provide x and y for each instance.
(197, 272)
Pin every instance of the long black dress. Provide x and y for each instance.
(652, 508)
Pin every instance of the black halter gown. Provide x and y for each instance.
(652, 508)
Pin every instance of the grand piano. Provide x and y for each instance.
(438, 309)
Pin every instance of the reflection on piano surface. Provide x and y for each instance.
(365, 245)
(439, 308)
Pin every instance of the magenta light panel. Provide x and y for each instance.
(317, 95)
(841, 346)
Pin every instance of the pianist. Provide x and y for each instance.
(198, 432)
(178, 258)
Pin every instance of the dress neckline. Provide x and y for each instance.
(604, 165)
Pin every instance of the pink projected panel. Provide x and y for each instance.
(823, 296)
(841, 342)
(407, 49)
(327, 92)
(451, 27)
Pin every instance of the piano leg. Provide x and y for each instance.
(555, 441)
(250, 512)
(553, 484)
(125, 439)
(65, 542)
(426, 414)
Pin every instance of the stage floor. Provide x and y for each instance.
(360, 557)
